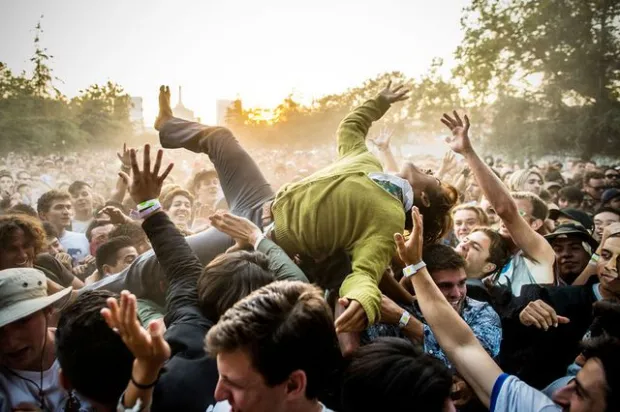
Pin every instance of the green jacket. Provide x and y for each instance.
(341, 208)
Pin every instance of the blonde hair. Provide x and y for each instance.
(483, 219)
(516, 182)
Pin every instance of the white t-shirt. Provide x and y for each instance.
(513, 395)
(16, 390)
(224, 406)
(75, 244)
(80, 226)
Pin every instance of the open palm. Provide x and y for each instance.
(459, 142)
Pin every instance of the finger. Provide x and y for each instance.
(114, 310)
(160, 154)
(343, 320)
(125, 177)
(532, 321)
(397, 88)
(458, 118)
(131, 320)
(447, 123)
(546, 313)
(134, 163)
(344, 302)
(236, 247)
(466, 123)
(147, 159)
(400, 243)
(162, 89)
(388, 85)
(122, 314)
(563, 320)
(163, 177)
(109, 319)
(451, 120)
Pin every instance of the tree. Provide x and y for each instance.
(557, 61)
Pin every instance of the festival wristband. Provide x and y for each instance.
(594, 259)
(413, 269)
(148, 204)
(404, 319)
(147, 212)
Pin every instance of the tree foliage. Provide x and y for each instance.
(36, 116)
(551, 70)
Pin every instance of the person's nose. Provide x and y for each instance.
(221, 392)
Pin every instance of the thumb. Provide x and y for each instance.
(400, 243)
(125, 177)
(344, 302)
(233, 248)
(563, 320)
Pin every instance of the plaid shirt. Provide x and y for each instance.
(480, 317)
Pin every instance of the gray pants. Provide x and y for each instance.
(245, 189)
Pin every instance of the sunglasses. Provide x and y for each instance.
(612, 176)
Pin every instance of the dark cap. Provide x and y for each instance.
(609, 195)
(567, 230)
(577, 215)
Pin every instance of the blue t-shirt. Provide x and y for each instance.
(513, 395)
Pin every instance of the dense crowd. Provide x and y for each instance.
(194, 275)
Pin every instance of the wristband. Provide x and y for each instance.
(143, 387)
(594, 259)
(404, 319)
(413, 269)
(147, 212)
(147, 204)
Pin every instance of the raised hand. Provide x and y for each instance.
(116, 216)
(125, 157)
(148, 347)
(382, 141)
(145, 184)
(165, 110)
(410, 251)
(459, 142)
(397, 94)
(244, 232)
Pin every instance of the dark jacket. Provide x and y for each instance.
(190, 376)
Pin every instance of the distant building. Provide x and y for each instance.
(221, 108)
(183, 112)
(136, 116)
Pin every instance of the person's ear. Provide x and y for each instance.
(537, 224)
(296, 385)
(426, 201)
(107, 270)
(489, 268)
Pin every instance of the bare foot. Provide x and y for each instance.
(165, 111)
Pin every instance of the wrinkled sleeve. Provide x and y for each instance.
(369, 259)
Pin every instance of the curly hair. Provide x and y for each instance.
(437, 218)
(169, 197)
(32, 228)
(201, 176)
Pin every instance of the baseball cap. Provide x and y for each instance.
(609, 194)
(23, 291)
(576, 215)
(567, 230)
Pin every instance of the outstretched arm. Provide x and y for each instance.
(354, 128)
(454, 335)
(382, 142)
(533, 245)
(178, 261)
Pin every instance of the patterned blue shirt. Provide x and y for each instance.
(480, 317)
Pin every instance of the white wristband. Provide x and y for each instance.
(413, 269)
(404, 319)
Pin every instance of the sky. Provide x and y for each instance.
(257, 50)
